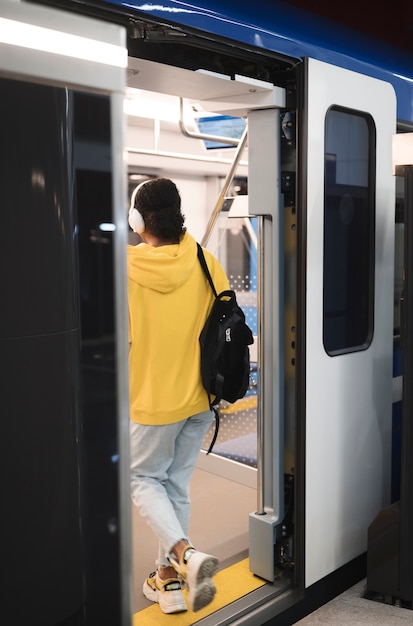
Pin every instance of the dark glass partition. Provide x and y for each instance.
(59, 448)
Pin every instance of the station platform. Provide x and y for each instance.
(351, 608)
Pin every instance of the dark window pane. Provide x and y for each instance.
(349, 203)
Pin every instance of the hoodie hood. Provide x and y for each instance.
(165, 268)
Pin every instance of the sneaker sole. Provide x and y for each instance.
(203, 591)
(207, 569)
(201, 595)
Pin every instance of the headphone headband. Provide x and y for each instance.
(135, 218)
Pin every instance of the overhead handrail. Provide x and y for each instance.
(182, 156)
(189, 133)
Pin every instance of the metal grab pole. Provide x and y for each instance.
(260, 369)
(228, 180)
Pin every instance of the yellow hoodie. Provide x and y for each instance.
(169, 301)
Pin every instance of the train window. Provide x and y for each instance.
(349, 201)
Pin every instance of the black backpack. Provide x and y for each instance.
(225, 356)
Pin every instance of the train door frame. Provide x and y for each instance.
(405, 573)
(52, 47)
(265, 200)
(264, 119)
(389, 569)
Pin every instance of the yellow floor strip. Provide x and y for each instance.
(232, 583)
(250, 402)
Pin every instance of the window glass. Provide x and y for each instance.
(349, 202)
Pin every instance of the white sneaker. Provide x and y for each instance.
(197, 569)
(168, 593)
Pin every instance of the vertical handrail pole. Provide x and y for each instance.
(260, 369)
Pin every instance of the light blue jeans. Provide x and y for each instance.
(163, 459)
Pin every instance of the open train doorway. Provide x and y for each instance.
(223, 139)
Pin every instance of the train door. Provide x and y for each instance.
(346, 286)
(64, 447)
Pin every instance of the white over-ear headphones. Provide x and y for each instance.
(135, 218)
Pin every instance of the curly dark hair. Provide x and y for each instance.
(159, 203)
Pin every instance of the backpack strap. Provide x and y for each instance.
(204, 266)
(220, 380)
(214, 438)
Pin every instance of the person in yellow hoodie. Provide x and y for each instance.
(169, 301)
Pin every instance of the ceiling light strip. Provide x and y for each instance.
(56, 42)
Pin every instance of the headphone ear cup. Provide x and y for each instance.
(136, 221)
